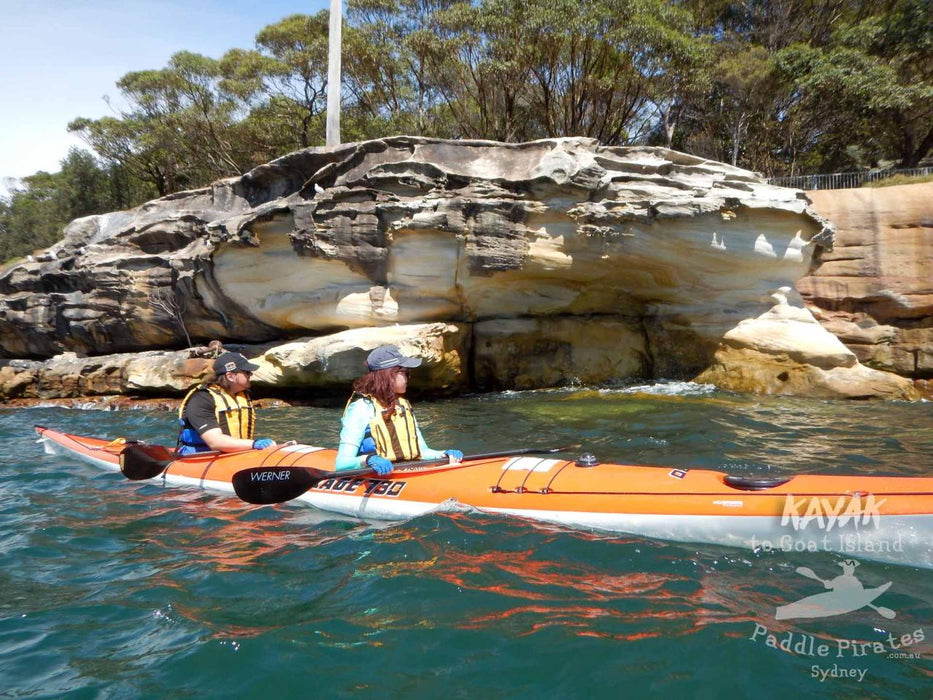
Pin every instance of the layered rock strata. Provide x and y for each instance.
(546, 263)
(874, 289)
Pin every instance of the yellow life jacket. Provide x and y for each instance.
(235, 414)
(397, 438)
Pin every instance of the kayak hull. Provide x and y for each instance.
(867, 517)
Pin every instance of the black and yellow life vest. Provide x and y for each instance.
(235, 415)
(397, 438)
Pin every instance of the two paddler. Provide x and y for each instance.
(378, 425)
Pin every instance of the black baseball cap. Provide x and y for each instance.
(233, 362)
(386, 356)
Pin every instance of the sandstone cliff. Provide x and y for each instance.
(509, 265)
(874, 290)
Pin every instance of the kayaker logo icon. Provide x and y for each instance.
(844, 594)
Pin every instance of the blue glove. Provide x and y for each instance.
(381, 465)
(456, 454)
(263, 443)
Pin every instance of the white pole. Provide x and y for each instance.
(333, 73)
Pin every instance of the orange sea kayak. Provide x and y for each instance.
(870, 517)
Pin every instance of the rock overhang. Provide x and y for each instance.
(409, 230)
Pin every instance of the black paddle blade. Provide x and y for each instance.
(139, 462)
(266, 485)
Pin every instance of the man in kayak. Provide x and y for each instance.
(378, 425)
(218, 414)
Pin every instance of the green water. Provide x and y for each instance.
(117, 589)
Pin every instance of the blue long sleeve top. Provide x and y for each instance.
(354, 425)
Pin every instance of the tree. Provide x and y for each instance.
(35, 215)
(284, 80)
(851, 81)
(771, 85)
(84, 185)
(180, 130)
(744, 83)
(391, 46)
(521, 70)
(36, 212)
(877, 72)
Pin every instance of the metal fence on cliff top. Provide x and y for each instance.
(841, 181)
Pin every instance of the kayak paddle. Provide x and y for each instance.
(267, 485)
(139, 461)
(264, 486)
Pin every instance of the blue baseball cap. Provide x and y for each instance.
(386, 356)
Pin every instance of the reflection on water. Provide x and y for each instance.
(116, 589)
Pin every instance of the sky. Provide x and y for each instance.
(59, 58)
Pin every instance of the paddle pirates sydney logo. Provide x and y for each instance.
(842, 594)
(846, 525)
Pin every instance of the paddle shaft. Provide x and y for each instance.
(810, 573)
(140, 461)
(278, 484)
(485, 455)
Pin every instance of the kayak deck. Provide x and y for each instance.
(679, 504)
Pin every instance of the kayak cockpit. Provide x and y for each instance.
(754, 483)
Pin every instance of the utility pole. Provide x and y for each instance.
(333, 73)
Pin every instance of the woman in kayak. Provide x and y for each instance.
(378, 425)
(218, 414)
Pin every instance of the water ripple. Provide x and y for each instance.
(112, 589)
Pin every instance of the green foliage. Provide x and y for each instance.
(36, 212)
(292, 70)
(778, 86)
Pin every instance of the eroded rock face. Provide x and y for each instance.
(552, 262)
(874, 290)
(786, 351)
(326, 365)
(334, 362)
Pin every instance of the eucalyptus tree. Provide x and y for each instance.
(33, 215)
(870, 87)
(514, 70)
(741, 97)
(482, 68)
(392, 47)
(831, 84)
(179, 130)
(36, 211)
(284, 80)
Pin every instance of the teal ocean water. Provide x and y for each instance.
(117, 589)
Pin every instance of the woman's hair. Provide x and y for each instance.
(379, 384)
